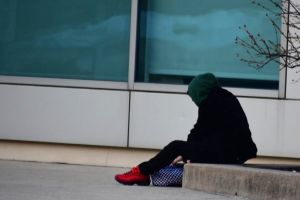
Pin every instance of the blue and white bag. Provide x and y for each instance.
(168, 176)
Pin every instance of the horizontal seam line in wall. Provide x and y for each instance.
(183, 93)
(118, 89)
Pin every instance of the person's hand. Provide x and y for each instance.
(178, 159)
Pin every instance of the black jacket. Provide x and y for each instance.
(222, 127)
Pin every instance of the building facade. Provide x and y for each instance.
(115, 72)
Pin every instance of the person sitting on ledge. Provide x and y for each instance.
(221, 134)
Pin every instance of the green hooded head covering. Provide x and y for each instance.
(201, 86)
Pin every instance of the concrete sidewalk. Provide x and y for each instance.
(41, 181)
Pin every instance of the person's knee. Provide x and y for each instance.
(176, 144)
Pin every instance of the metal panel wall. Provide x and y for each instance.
(293, 75)
(64, 115)
(293, 84)
(156, 119)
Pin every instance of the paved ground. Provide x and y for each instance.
(41, 181)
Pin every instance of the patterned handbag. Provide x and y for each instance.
(168, 176)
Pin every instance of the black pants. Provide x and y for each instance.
(188, 150)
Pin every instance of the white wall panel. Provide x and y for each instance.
(263, 117)
(156, 119)
(64, 115)
(291, 124)
(293, 75)
(293, 84)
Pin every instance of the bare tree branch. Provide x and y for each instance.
(261, 51)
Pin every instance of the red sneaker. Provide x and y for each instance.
(134, 176)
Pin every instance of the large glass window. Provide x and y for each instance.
(77, 39)
(179, 39)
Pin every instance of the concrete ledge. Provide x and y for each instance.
(252, 183)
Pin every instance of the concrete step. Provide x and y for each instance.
(243, 181)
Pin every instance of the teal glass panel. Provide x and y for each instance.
(76, 39)
(179, 39)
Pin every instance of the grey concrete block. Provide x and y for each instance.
(252, 183)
